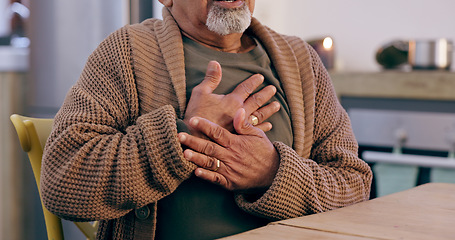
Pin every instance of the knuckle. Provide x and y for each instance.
(196, 90)
(258, 99)
(247, 87)
(209, 163)
(221, 180)
(229, 143)
(260, 115)
(217, 133)
(229, 186)
(212, 78)
(217, 178)
(209, 149)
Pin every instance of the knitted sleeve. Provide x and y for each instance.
(102, 160)
(332, 177)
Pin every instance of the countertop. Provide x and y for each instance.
(423, 212)
(421, 85)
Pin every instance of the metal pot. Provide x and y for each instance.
(430, 54)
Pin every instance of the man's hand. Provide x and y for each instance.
(246, 162)
(220, 109)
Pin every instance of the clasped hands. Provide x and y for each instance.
(224, 144)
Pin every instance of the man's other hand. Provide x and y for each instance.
(245, 162)
(220, 109)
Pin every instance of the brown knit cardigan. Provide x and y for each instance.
(114, 144)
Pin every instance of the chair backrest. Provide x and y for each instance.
(33, 133)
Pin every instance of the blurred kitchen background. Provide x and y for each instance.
(395, 107)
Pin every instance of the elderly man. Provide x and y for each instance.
(198, 126)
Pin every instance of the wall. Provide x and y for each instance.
(360, 27)
(5, 27)
(63, 34)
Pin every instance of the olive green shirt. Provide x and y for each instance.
(199, 209)
(237, 67)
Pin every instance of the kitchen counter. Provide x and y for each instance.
(418, 85)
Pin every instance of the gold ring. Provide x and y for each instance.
(218, 164)
(254, 120)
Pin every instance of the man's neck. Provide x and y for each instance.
(232, 43)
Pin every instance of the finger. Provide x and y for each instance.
(213, 177)
(263, 113)
(212, 78)
(258, 99)
(265, 127)
(215, 132)
(242, 126)
(200, 145)
(247, 87)
(203, 161)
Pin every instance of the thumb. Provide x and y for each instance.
(242, 126)
(212, 77)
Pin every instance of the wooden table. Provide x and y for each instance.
(424, 212)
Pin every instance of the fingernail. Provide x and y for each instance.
(182, 137)
(212, 66)
(194, 121)
(188, 154)
(198, 172)
(276, 105)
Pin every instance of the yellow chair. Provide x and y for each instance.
(33, 133)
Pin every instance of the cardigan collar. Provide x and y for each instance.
(285, 62)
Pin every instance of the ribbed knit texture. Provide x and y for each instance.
(114, 146)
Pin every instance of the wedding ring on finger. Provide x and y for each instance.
(218, 164)
(254, 120)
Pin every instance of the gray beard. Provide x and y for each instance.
(226, 21)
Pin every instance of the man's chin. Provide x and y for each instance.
(228, 21)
